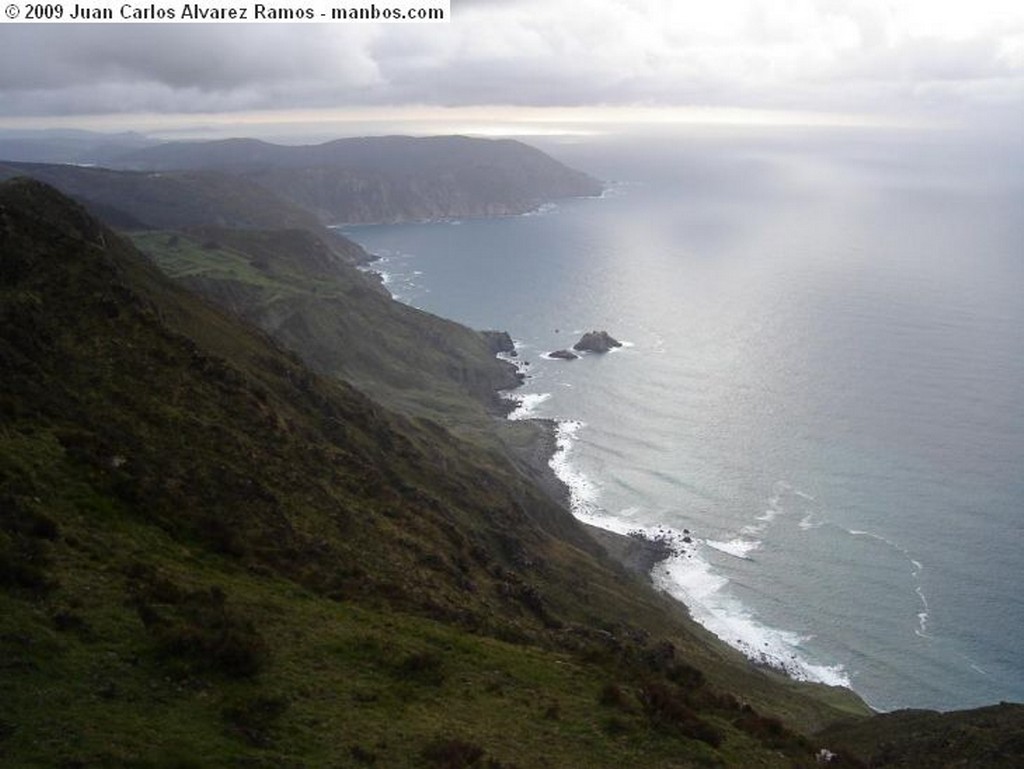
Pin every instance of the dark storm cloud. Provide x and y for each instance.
(201, 68)
(854, 55)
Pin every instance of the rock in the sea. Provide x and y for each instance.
(596, 341)
(563, 355)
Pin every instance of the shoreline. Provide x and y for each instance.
(637, 553)
(535, 444)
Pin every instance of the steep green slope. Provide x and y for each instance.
(339, 320)
(210, 556)
(342, 324)
(144, 201)
(988, 738)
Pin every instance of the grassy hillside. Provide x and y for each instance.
(337, 318)
(343, 324)
(145, 201)
(991, 737)
(211, 556)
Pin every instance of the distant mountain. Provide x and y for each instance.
(386, 179)
(276, 266)
(146, 201)
(250, 183)
(167, 200)
(69, 146)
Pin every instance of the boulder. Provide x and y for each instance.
(596, 341)
(563, 355)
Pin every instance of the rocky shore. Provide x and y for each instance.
(637, 554)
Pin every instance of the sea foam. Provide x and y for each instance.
(526, 404)
(582, 492)
(691, 578)
(541, 210)
(924, 614)
(738, 548)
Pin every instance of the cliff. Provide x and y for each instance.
(213, 554)
(210, 554)
(386, 179)
(343, 324)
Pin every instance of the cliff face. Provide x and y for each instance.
(341, 322)
(387, 179)
(210, 555)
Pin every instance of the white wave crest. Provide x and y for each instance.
(738, 548)
(690, 578)
(582, 491)
(527, 404)
(541, 210)
(807, 523)
(917, 567)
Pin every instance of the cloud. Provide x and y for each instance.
(860, 55)
(245, 65)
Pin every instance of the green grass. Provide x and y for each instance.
(341, 680)
(344, 326)
(212, 556)
(184, 257)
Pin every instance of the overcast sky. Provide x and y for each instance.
(545, 62)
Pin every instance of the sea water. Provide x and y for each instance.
(821, 386)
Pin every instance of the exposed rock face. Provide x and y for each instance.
(563, 355)
(596, 341)
(499, 341)
(385, 179)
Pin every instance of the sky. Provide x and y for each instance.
(522, 66)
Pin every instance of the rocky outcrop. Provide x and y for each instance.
(563, 355)
(499, 342)
(596, 341)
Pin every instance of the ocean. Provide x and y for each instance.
(821, 385)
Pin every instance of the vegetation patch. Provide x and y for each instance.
(211, 555)
(196, 629)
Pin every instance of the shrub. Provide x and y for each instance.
(23, 564)
(666, 707)
(685, 675)
(25, 534)
(254, 719)
(612, 696)
(362, 755)
(197, 628)
(423, 667)
(616, 727)
(770, 732)
(453, 754)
